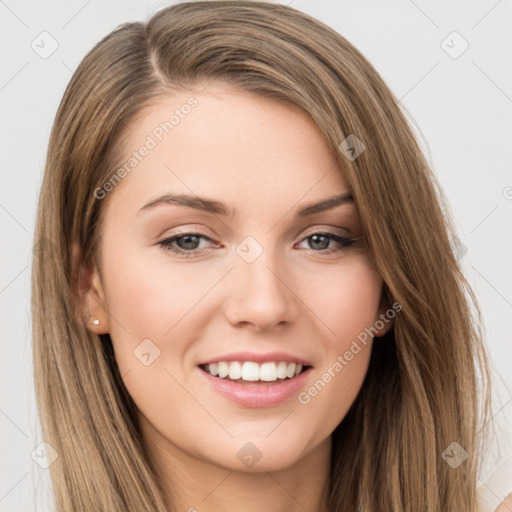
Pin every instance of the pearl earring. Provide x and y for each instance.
(96, 322)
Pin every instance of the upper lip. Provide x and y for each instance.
(257, 358)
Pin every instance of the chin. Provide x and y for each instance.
(260, 452)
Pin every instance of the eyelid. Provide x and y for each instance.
(325, 227)
(196, 229)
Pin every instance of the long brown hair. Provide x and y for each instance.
(421, 392)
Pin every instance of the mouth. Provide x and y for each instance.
(250, 372)
(256, 380)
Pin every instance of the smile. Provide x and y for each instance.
(256, 385)
(250, 371)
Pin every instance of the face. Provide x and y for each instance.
(237, 282)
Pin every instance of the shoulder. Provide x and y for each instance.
(495, 492)
(505, 506)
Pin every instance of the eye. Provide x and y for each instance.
(320, 241)
(187, 243)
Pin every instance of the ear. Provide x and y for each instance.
(385, 318)
(89, 294)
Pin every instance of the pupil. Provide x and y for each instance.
(323, 245)
(184, 239)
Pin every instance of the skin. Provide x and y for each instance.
(506, 506)
(266, 160)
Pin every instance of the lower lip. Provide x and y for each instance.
(257, 395)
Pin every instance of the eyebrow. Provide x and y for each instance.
(220, 208)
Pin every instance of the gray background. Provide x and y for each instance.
(461, 104)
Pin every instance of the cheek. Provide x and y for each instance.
(153, 298)
(149, 297)
(349, 309)
(328, 398)
(151, 306)
(345, 299)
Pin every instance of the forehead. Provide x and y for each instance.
(222, 142)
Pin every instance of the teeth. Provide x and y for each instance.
(214, 369)
(281, 370)
(252, 372)
(235, 370)
(223, 370)
(268, 372)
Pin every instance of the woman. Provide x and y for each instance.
(254, 303)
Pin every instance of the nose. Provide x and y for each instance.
(261, 294)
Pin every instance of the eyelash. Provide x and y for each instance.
(345, 243)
